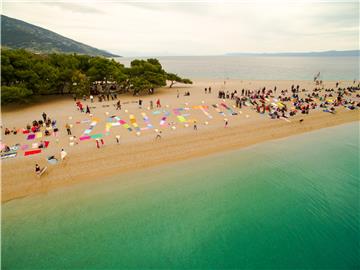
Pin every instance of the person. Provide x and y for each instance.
(140, 103)
(44, 116)
(87, 109)
(158, 135)
(91, 98)
(117, 137)
(74, 97)
(158, 105)
(151, 105)
(7, 131)
(41, 144)
(118, 105)
(195, 125)
(178, 94)
(102, 142)
(205, 90)
(14, 131)
(97, 143)
(67, 126)
(37, 168)
(63, 154)
(226, 123)
(209, 90)
(56, 130)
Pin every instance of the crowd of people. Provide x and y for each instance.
(271, 101)
(260, 100)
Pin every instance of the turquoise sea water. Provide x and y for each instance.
(284, 204)
(259, 67)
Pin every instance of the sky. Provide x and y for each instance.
(161, 28)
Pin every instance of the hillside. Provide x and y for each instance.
(18, 34)
(352, 53)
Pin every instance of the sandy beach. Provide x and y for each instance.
(87, 163)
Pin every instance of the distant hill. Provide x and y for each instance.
(324, 53)
(18, 34)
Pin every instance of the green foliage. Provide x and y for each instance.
(173, 78)
(144, 75)
(71, 73)
(14, 94)
(80, 84)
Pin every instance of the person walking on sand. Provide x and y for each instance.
(67, 126)
(158, 105)
(91, 98)
(87, 109)
(151, 105)
(118, 105)
(226, 123)
(158, 135)
(102, 142)
(63, 154)
(117, 137)
(195, 125)
(205, 90)
(209, 90)
(44, 116)
(97, 143)
(140, 103)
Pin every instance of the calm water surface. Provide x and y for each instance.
(285, 204)
(259, 67)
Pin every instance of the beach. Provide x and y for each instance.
(86, 163)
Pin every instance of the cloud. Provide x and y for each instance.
(78, 8)
(198, 28)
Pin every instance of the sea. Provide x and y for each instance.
(291, 203)
(335, 68)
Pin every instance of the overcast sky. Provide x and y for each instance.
(139, 28)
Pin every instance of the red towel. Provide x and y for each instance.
(32, 152)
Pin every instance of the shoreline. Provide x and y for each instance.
(83, 166)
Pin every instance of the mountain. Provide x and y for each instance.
(18, 34)
(324, 53)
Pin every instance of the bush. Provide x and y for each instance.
(15, 94)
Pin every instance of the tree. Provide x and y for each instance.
(80, 84)
(27, 74)
(14, 94)
(173, 78)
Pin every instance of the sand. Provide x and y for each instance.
(87, 163)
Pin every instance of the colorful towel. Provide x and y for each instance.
(230, 111)
(216, 107)
(96, 136)
(30, 137)
(24, 147)
(32, 152)
(133, 122)
(147, 121)
(204, 109)
(8, 155)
